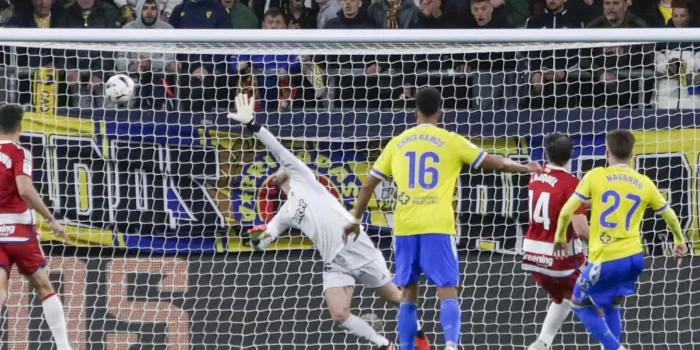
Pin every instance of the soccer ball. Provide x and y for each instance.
(119, 88)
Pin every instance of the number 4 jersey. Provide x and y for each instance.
(548, 192)
(425, 162)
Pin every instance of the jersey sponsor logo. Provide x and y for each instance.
(332, 169)
(300, 212)
(404, 198)
(7, 230)
(542, 260)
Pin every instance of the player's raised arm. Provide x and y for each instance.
(478, 158)
(491, 162)
(244, 114)
(660, 206)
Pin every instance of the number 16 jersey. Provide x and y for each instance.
(425, 162)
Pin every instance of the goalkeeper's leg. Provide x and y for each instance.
(338, 300)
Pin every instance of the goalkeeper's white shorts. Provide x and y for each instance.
(372, 275)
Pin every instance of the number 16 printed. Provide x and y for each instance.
(422, 170)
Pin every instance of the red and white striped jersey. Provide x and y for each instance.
(548, 191)
(14, 161)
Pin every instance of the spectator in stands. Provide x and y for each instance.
(550, 68)
(657, 14)
(433, 15)
(298, 16)
(352, 16)
(41, 14)
(395, 14)
(148, 69)
(484, 16)
(677, 65)
(518, 11)
(488, 85)
(88, 66)
(129, 8)
(242, 16)
(327, 10)
(268, 77)
(206, 85)
(201, 14)
(91, 14)
(612, 66)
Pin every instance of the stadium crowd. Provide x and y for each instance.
(661, 75)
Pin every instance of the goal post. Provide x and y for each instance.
(156, 193)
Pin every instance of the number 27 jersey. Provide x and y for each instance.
(425, 162)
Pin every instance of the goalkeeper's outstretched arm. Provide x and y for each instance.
(244, 107)
(262, 235)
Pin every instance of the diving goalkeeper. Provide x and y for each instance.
(313, 210)
(425, 162)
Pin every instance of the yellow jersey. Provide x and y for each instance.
(425, 162)
(619, 196)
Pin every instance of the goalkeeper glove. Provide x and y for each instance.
(245, 107)
(259, 237)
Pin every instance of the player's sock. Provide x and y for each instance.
(614, 320)
(595, 324)
(355, 325)
(556, 314)
(419, 325)
(56, 319)
(408, 328)
(451, 320)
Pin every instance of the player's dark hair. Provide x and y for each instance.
(428, 101)
(10, 119)
(559, 148)
(620, 143)
(472, 2)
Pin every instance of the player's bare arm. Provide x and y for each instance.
(363, 198)
(565, 216)
(580, 224)
(26, 190)
(680, 248)
(492, 162)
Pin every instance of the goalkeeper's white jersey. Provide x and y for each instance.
(316, 212)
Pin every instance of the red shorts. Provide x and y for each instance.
(558, 288)
(27, 255)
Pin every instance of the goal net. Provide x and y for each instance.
(157, 192)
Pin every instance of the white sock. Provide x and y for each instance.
(355, 325)
(556, 314)
(55, 318)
